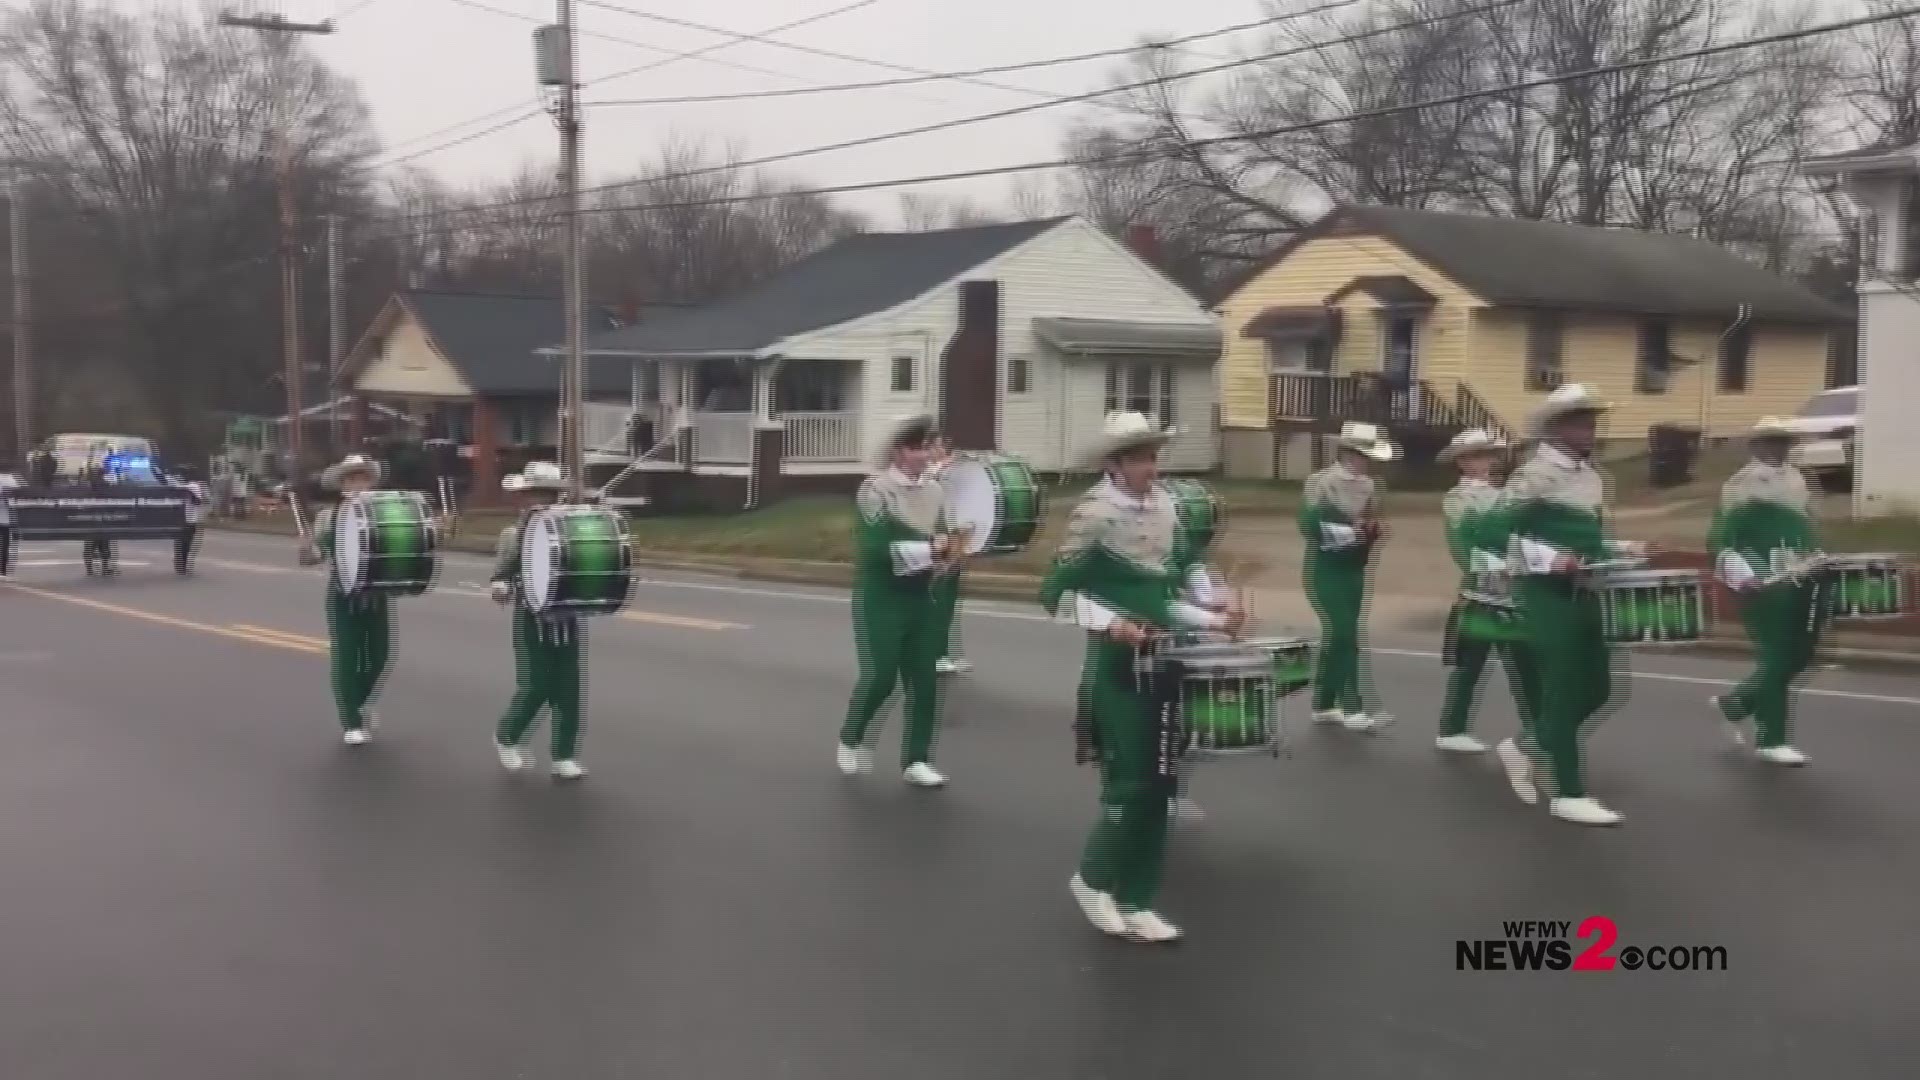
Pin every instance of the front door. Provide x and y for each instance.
(1400, 364)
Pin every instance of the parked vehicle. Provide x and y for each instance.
(1829, 427)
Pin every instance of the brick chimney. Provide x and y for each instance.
(1144, 241)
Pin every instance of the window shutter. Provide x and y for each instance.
(1113, 388)
(1167, 410)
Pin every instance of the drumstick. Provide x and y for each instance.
(299, 523)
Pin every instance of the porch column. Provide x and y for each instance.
(486, 455)
(683, 385)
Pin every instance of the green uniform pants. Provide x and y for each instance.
(359, 648)
(1470, 654)
(946, 610)
(1780, 626)
(1575, 672)
(1128, 846)
(1338, 595)
(546, 661)
(900, 639)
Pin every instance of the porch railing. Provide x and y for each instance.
(723, 438)
(822, 436)
(1369, 399)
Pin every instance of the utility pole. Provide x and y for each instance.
(556, 58)
(336, 334)
(279, 26)
(22, 321)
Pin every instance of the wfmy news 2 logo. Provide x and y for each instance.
(1536, 945)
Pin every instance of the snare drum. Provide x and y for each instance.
(1292, 660)
(1867, 587)
(384, 542)
(575, 560)
(1227, 702)
(1639, 607)
(1202, 515)
(998, 496)
(1489, 617)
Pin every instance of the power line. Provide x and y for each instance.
(689, 55)
(920, 75)
(1219, 140)
(1020, 110)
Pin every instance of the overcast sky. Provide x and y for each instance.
(425, 65)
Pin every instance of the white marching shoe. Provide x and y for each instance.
(1587, 811)
(512, 758)
(1781, 755)
(1330, 716)
(952, 665)
(1362, 722)
(568, 770)
(1460, 744)
(357, 737)
(1519, 771)
(853, 759)
(1148, 926)
(1099, 908)
(921, 774)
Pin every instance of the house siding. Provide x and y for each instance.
(409, 365)
(1889, 462)
(1073, 271)
(1307, 277)
(1786, 367)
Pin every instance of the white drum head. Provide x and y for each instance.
(971, 500)
(537, 545)
(349, 558)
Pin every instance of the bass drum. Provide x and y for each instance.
(575, 560)
(1203, 517)
(383, 542)
(998, 496)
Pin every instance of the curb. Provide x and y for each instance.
(1027, 587)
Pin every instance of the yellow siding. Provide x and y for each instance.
(1788, 366)
(1307, 276)
(409, 365)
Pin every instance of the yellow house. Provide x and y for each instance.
(1434, 322)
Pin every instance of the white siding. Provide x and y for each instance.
(1889, 480)
(1072, 271)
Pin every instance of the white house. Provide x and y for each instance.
(1019, 337)
(1883, 183)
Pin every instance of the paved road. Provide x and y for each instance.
(203, 884)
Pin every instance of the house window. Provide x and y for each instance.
(810, 387)
(1736, 359)
(523, 423)
(903, 374)
(1300, 355)
(1019, 374)
(1546, 350)
(1656, 357)
(1143, 388)
(1400, 343)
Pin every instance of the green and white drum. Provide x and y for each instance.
(1645, 607)
(1866, 587)
(1292, 662)
(998, 496)
(575, 560)
(1203, 517)
(384, 542)
(1227, 701)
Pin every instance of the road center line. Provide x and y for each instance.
(168, 620)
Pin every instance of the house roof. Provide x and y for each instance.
(1110, 337)
(858, 276)
(1520, 262)
(492, 338)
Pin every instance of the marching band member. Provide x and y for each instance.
(946, 588)
(1765, 525)
(359, 627)
(901, 548)
(546, 648)
(1208, 593)
(1340, 520)
(1118, 570)
(1466, 508)
(1552, 516)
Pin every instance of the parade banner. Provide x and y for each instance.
(44, 514)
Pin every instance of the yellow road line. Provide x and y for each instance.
(284, 635)
(168, 620)
(682, 621)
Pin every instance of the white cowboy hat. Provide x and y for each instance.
(1472, 441)
(1773, 427)
(537, 476)
(337, 473)
(1567, 399)
(1368, 440)
(912, 426)
(1125, 431)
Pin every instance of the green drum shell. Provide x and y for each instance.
(1652, 607)
(1488, 617)
(576, 561)
(398, 551)
(1291, 660)
(1203, 517)
(1017, 495)
(1866, 588)
(1226, 698)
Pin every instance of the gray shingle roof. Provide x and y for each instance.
(492, 338)
(1520, 262)
(858, 276)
